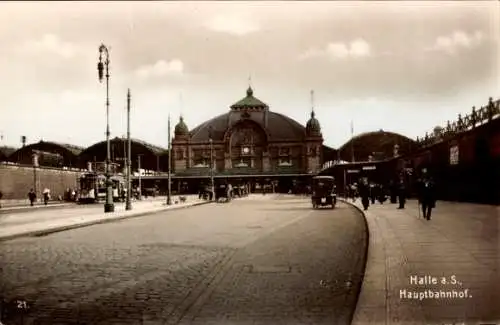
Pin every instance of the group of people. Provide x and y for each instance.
(45, 194)
(398, 193)
(225, 190)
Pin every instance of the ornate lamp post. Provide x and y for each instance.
(128, 203)
(109, 205)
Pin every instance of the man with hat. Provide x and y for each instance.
(427, 194)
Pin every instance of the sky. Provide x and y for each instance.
(399, 66)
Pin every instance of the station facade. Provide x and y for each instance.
(252, 144)
(249, 144)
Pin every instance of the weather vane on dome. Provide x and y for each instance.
(250, 80)
(180, 104)
(312, 103)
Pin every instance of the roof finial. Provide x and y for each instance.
(181, 106)
(249, 90)
(312, 104)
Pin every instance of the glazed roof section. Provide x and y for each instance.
(156, 150)
(376, 137)
(75, 150)
(5, 151)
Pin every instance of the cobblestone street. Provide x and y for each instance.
(252, 261)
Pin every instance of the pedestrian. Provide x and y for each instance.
(381, 194)
(427, 196)
(373, 193)
(393, 192)
(1, 196)
(364, 193)
(401, 194)
(46, 196)
(32, 196)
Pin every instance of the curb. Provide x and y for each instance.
(365, 262)
(20, 208)
(46, 232)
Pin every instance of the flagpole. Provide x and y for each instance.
(352, 142)
(169, 177)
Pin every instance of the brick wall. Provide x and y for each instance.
(16, 181)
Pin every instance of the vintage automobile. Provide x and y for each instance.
(323, 192)
(223, 192)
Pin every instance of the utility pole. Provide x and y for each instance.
(169, 178)
(139, 169)
(35, 166)
(352, 141)
(212, 184)
(128, 162)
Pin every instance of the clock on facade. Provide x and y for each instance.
(246, 150)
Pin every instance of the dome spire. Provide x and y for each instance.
(181, 117)
(312, 104)
(312, 127)
(249, 90)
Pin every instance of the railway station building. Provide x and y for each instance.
(248, 144)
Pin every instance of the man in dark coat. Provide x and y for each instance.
(381, 193)
(427, 196)
(373, 192)
(32, 196)
(401, 194)
(393, 192)
(364, 193)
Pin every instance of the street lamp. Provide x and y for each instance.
(128, 203)
(212, 185)
(109, 205)
(169, 177)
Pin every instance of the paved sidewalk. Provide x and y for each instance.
(11, 205)
(25, 204)
(39, 222)
(460, 243)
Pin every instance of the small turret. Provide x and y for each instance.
(181, 129)
(313, 128)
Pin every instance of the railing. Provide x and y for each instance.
(476, 118)
(65, 168)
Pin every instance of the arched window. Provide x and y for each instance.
(247, 143)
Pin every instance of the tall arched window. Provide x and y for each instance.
(247, 143)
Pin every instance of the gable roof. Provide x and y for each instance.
(76, 150)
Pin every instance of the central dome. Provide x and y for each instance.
(279, 127)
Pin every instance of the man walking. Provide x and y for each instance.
(427, 196)
(364, 193)
(401, 193)
(32, 196)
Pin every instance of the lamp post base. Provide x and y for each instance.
(169, 200)
(128, 206)
(109, 207)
